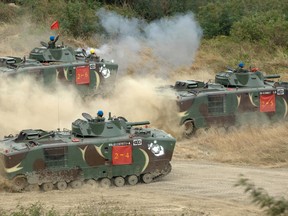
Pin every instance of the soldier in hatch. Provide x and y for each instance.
(92, 56)
(240, 68)
(100, 117)
(52, 42)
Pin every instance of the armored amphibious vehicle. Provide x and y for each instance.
(234, 98)
(108, 151)
(63, 64)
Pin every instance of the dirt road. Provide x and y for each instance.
(192, 188)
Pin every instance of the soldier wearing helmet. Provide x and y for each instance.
(240, 68)
(100, 117)
(52, 42)
(92, 56)
(92, 52)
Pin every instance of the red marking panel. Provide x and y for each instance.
(267, 103)
(82, 75)
(121, 155)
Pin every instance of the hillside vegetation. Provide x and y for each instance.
(254, 31)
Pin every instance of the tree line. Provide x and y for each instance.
(261, 21)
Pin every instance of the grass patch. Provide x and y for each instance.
(266, 147)
(8, 13)
(220, 52)
(93, 208)
(35, 209)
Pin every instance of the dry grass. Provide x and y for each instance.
(265, 146)
(221, 52)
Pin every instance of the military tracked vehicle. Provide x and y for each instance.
(63, 64)
(234, 98)
(96, 149)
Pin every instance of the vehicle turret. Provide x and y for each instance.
(245, 78)
(60, 53)
(187, 85)
(99, 127)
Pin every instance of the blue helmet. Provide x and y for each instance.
(241, 64)
(52, 38)
(100, 113)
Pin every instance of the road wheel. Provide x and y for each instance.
(19, 183)
(132, 180)
(167, 169)
(119, 181)
(32, 187)
(91, 182)
(147, 178)
(47, 186)
(105, 182)
(61, 185)
(189, 128)
(76, 184)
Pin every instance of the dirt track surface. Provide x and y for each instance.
(192, 188)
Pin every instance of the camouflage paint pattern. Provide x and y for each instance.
(60, 65)
(233, 99)
(85, 153)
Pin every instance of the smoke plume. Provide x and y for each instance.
(149, 51)
(166, 44)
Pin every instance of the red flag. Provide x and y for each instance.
(121, 155)
(267, 103)
(55, 25)
(82, 75)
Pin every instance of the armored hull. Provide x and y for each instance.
(89, 76)
(107, 151)
(233, 99)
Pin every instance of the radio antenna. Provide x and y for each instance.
(58, 111)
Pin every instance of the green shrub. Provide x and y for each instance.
(218, 18)
(272, 206)
(269, 28)
(8, 13)
(78, 19)
(44, 11)
(156, 9)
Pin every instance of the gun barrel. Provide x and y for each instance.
(272, 76)
(138, 123)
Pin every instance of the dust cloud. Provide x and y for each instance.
(28, 105)
(139, 100)
(146, 53)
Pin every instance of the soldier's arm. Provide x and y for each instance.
(56, 38)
